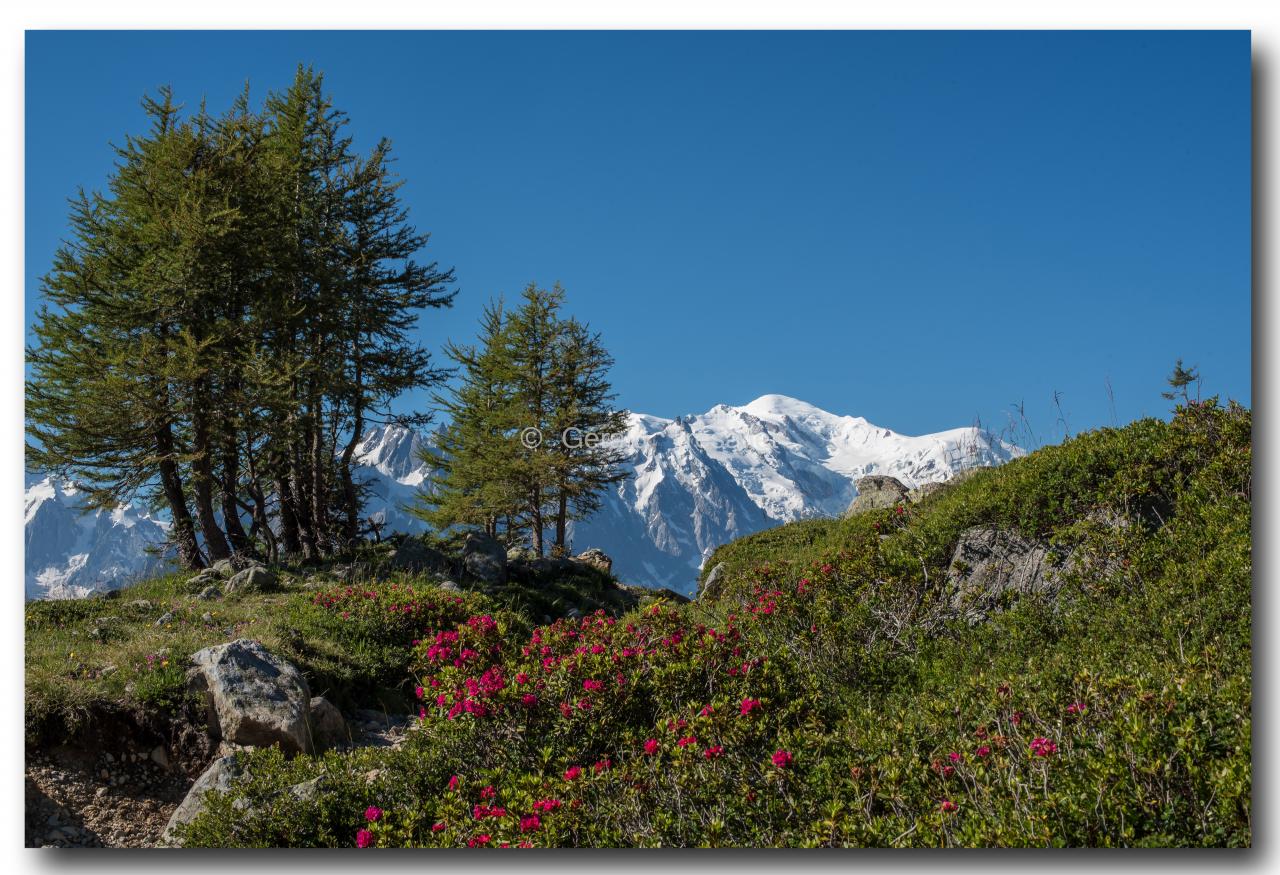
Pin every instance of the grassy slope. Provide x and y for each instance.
(898, 726)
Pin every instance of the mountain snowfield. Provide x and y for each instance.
(697, 482)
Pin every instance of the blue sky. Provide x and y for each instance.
(919, 228)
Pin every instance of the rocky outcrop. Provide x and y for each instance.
(991, 567)
(596, 558)
(485, 558)
(414, 555)
(255, 578)
(713, 584)
(254, 698)
(328, 726)
(220, 775)
(877, 492)
(924, 490)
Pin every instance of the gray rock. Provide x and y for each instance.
(223, 568)
(924, 490)
(713, 583)
(160, 757)
(991, 567)
(206, 617)
(596, 558)
(254, 698)
(205, 578)
(449, 586)
(485, 558)
(166, 617)
(255, 578)
(209, 593)
(328, 727)
(414, 555)
(877, 492)
(220, 775)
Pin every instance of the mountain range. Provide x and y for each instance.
(695, 482)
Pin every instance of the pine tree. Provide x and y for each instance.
(588, 459)
(237, 306)
(1179, 381)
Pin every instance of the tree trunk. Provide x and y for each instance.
(562, 516)
(184, 533)
(350, 500)
(230, 483)
(202, 485)
(536, 513)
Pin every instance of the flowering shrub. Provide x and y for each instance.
(826, 700)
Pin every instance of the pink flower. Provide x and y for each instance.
(954, 757)
(483, 839)
(547, 805)
(651, 746)
(712, 752)
(1043, 747)
(530, 823)
(572, 773)
(592, 686)
(782, 759)
(748, 705)
(1077, 708)
(982, 751)
(686, 741)
(488, 792)
(437, 827)
(418, 691)
(453, 782)
(372, 813)
(364, 838)
(948, 806)
(603, 765)
(529, 700)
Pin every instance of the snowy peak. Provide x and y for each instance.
(72, 550)
(393, 451)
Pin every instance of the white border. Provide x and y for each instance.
(1262, 18)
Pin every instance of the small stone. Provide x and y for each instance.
(167, 617)
(104, 774)
(159, 757)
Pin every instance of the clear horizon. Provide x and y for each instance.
(921, 229)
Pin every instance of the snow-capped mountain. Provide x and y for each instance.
(702, 481)
(696, 482)
(71, 551)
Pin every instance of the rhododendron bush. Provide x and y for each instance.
(827, 698)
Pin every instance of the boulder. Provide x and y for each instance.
(877, 492)
(448, 586)
(220, 775)
(255, 578)
(991, 566)
(713, 583)
(223, 568)
(484, 557)
(254, 698)
(596, 558)
(924, 490)
(328, 726)
(414, 555)
(212, 591)
(207, 577)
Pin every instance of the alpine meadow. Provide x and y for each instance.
(310, 565)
